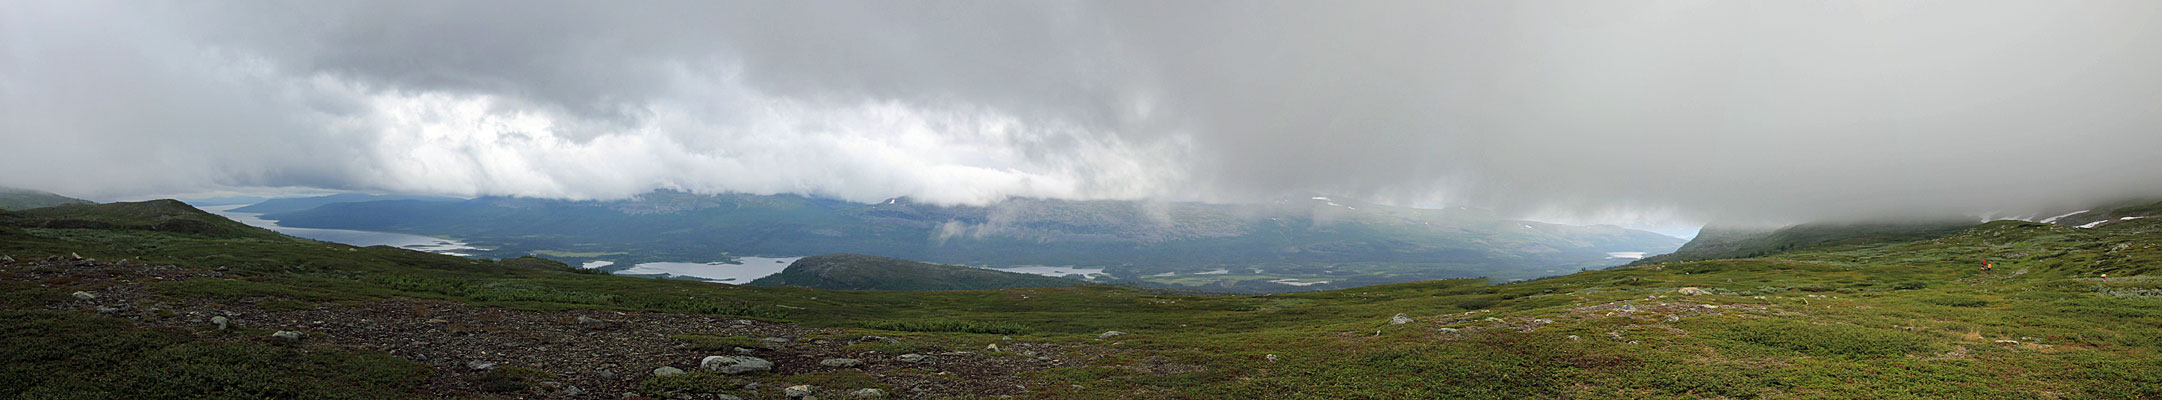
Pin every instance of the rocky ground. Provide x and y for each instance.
(585, 353)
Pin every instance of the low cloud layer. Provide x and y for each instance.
(1640, 112)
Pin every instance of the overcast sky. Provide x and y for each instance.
(1641, 112)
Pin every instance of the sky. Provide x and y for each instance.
(1645, 113)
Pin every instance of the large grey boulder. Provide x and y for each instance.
(799, 391)
(841, 362)
(735, 364)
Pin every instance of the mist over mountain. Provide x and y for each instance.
(1632, 114)
(1315, 241)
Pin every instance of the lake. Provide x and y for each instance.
(743, 271)
(347, 236)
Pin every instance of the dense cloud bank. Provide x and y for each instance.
(1634, 112)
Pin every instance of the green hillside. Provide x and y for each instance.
(862, 272)
(1714, 242)
(1873, 319)
(154, 215)
(23, 199)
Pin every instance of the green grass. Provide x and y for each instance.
(716, 342)
(1901, 319)
(948, 325)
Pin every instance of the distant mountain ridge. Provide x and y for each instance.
(862, 272)
(23, 199)
(1324, 241)
(291, 204)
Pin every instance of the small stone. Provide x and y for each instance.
(667, 371)
(85, 295)
(2007, 342)
(740, 350)
(1692, 291)
(478, 365)
(916, 358)
(840, 362)
(774, 340)
(221, 321)
(111, 309)
(1399, 319)
(991, 348)
(1450, 330)
(606, 374)
(1575, 338)
(438, 321)
(798, 391)
(743, 322)
(1628, 308)
(1271, 357)
(726, 397)
(735, 364)
(573, 391)
(287, 335)
(592, 323)
(1110, 334)
(867, 393)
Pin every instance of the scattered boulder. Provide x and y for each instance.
(1692, 291)
(916, 358)
(478, 365)
(287, 335)
(735, 364)
(111, 309)
(991, 348)
(221, 321)
(1628, 308)
(798, 391)
(591, 323)
(606, 374)
(841, 362)
(1399, 319)
(1450, 330)
(667, 371)
(867, 393)
(573, 391)
(774, 340)
(1110, 334)
(85, 295)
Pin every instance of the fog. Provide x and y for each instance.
(1637, 113)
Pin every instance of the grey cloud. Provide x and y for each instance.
(1564, 110)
